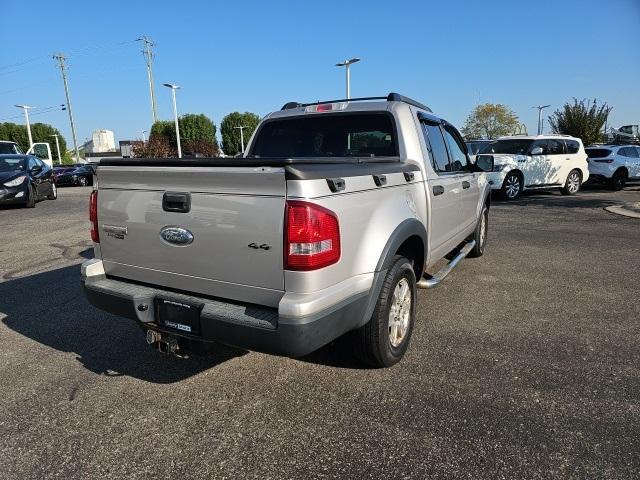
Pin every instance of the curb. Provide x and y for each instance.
(631, 210)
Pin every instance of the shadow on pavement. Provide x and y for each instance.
(553, 199)
(50, 308)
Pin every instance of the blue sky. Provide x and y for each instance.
(257, 55)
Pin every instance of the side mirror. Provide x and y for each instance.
(536, 151)
(36, 169)
(484, 163)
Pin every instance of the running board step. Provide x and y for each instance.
(446, 270)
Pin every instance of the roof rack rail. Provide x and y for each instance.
(392, 97)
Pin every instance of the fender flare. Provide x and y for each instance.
(407, 228)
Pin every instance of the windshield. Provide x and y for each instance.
(597, 152)
(511, 147)
(337, 135)
(9, 148)
(11, 164)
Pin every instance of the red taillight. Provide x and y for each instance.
(312, 236)
(93, 216)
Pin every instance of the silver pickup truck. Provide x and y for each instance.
(334, 216)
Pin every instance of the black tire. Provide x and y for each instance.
(512, 186)
(373, 344)
(618, 180)
(573, 183)
(480, 234)
(54, 192)
(83, 182)
(31, 197)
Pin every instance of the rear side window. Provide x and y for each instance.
(328, 135)
(628, 152)
(572, 146)
(598, 152)
(437, 148)
(556, 147)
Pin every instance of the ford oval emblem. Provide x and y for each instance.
(176, 235)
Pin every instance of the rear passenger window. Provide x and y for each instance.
(556, 147)
(572, 146)
(437, 148)
(458, 157)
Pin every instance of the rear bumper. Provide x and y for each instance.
(238, 324)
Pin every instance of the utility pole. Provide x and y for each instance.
(540, 108)
(58, 148)
(26, 118)
(241, 136)
(63, 69)
(144, 139)
(148, 56)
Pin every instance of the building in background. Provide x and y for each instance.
(102, 141)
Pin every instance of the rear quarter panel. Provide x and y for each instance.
(367, 216)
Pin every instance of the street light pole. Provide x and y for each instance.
(173, 88)
(144, 139)
(241, 136)
(347, 64)
(26, 118)
(540, 108)
(58, 148)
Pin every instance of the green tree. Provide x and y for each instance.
(582, 119)
(197, 137)
(490, 120)
(231, 144)
(40, 132)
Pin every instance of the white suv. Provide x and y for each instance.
(614, 164)
(543, 161)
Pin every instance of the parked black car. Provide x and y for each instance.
(80, 175)
(25, 179)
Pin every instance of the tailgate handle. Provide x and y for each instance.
(176, 202)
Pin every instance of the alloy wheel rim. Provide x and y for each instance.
(513, 186)
(574, 182)
(400, 312)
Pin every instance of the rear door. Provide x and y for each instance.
(470, 191)
(536, 168)
(234, 216)
(560, 163)
(444, 189)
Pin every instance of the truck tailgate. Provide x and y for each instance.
(236, 219)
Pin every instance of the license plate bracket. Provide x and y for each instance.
(178, 315)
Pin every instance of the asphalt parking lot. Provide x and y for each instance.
(524, 364)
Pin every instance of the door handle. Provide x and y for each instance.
(466, 185)
(176, 202)
(438, 190)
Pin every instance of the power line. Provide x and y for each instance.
(39, 111)
(61, 58)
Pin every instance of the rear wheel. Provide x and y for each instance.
(512, 186)
(383, 341)
(480, 235)
(573, 183)
(54, 192)
(618, 180)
